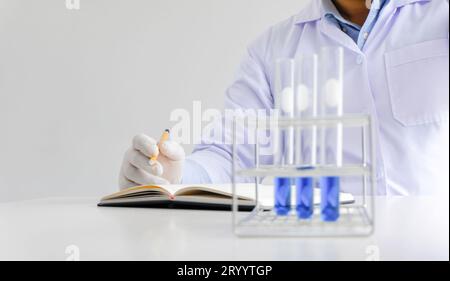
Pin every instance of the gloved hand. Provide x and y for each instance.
(137, 169)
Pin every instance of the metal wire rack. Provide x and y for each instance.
(356, 219)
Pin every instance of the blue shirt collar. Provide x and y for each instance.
(329, 11)
(358, 34)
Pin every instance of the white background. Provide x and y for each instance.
(77, 85)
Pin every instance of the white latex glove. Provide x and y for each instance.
(137, 168)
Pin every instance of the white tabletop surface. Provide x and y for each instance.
(412, 228)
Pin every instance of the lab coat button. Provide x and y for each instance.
(359, 59)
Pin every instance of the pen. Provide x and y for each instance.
(164, 137)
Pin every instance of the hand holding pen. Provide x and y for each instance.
(150, 162)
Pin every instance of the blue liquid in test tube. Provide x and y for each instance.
(329, 202)
(282, 196)
(283, 154)
(331, 104)
(305, 138)
(305, 197)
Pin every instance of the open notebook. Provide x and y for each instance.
(215, 197)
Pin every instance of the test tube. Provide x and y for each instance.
(283, 154)
(305, 139)
(331, 140)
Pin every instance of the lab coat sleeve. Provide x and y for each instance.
(211, 160)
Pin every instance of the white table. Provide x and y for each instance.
(406, 229)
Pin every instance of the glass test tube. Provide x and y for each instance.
(306, 138)
(331, 139)
(283, 154)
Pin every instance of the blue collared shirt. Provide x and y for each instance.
(357, 33)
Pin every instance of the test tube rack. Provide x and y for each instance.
(356, 219)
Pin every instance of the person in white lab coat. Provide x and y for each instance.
(396, 69)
